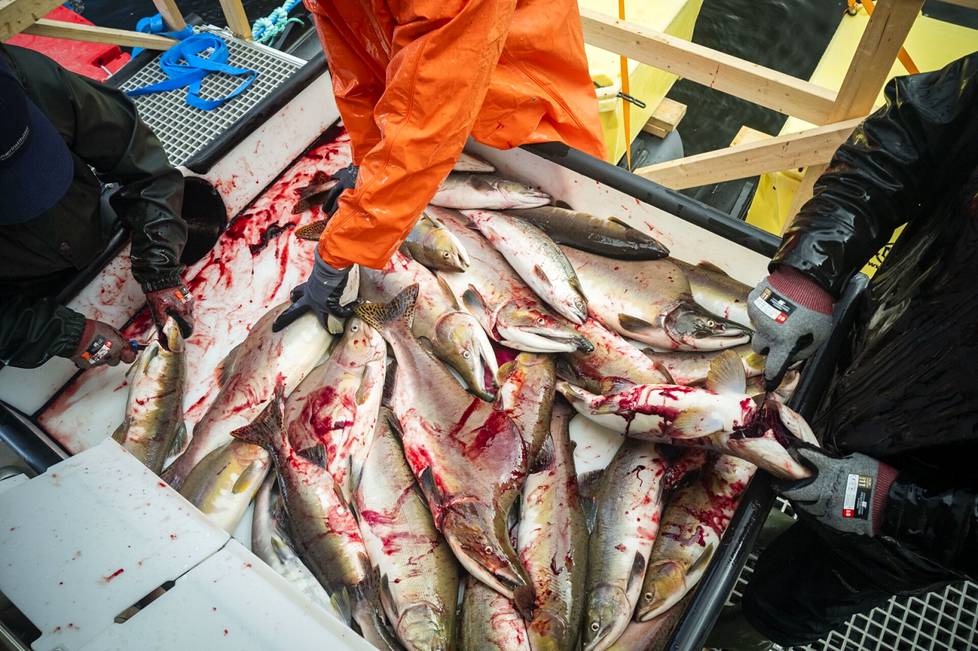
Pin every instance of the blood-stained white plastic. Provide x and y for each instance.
(97, 532)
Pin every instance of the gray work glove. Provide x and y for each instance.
(346, 179)
(101, 344)
(792, 317)
(847, 494)
(319, 294)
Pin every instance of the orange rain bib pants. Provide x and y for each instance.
(414, 78)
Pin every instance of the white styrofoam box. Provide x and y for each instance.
(230, 601)
(11, 482)
(90, 537)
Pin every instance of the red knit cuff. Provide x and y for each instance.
(801, 289)
(884, 479)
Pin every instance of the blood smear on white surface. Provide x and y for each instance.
(252, 268)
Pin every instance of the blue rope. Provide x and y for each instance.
(267, 28)
(154, 25)
(184, 67)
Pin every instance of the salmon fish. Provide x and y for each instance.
(418, 573)
(715, 290)
(689, 367)
(154, 410)
(526, 395)
(651, 302)
(247, 379)
(628, 504)
(434, 246)
(224, 482)
(490, 621)
(613, 365)
(486, 192)
(469, 458)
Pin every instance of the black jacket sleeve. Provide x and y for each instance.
(939, 523)
(35, 330)
(893, 169)
(111, 138)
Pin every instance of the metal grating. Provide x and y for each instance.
(945, 620)
(185, 130)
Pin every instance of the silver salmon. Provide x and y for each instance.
(537, 260)
(609, 237)
(154, 410)
(613, 365)
(526, 395)
(418, 573)
(472, 163)
(336, 404)
(715, 290)
(651, 302)
(689, 367)
(509, 311)
(486, 192)
(490, 621)
(628, 503)
(454, 335)
(692, 524)
(247, 379)
(552, 539)
(434, 246)
(469, 458)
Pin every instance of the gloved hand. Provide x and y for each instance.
(792, 317)
(177, 302)
(346, 179)
(101, 344)
(320, 293)
(847, 493)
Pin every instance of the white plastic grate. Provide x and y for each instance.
(944, 620)
(184, 130)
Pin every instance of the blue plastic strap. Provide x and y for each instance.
(184, 67)
(154, 25)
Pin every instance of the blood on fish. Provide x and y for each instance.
(108, 578)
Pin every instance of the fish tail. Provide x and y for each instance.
(368, 614)
(266, 429)
(400, 310)
(311, 231)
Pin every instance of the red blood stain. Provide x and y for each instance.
(173, 536)
(108, 578)
(620, 547)
(225, 632)
(161, 484)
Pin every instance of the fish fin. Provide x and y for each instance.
(427, 481)
(340, 600)
(425, 344)
(119, 435)
(726, 374)
(702, 560)
(540, 273)
(698, 421)
(633, 323)
(562, 204)
(661, 368)
(620, 222)
(447, 291)
(400, 309)
(387, 597)
(472, 300)
(267, 426)
(254, 473)
(637, 575)
(311, 231)
(226, 368)
(709, 266)
(545, 457)
(390, 381)
(181, 438)
(315, 454)
(610, 385)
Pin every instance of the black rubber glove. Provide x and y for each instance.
(319, 294)
(844, 493)
(101, 344)
(346, 179)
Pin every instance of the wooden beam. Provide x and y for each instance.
(807, 147)
(16, 15)
(882, 39)
(171, 14)
(237, 19)
(95, 34)
(770, 88)
(747, 135)
(668, 114)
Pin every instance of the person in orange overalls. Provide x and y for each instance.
(413, 79)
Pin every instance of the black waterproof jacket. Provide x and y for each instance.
(108, 142)
(907, 390)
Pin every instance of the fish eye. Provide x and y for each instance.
(540, 321)
(445, 254)
(355, 327)
(595, 626)
(647, 596)
(466, 354)
(710, 323)
(487, 549)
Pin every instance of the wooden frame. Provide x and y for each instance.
(17, 15)
(93, 34)
(237, 19)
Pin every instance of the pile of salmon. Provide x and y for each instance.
(416, 475)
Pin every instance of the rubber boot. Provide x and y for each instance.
(733, 632)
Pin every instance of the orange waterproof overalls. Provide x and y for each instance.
(414, 78)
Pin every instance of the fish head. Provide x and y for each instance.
(606, 613)
(665, 582)
(687, 323)
(422, 626)
(461, 343)
(533, 329)
(518, 195)
(477, 533)
(449, 251)
(174, 338)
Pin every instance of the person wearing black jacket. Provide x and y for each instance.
(61, 137)
(892, 507)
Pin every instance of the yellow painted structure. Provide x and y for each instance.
(931, 44)
(648, 84)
